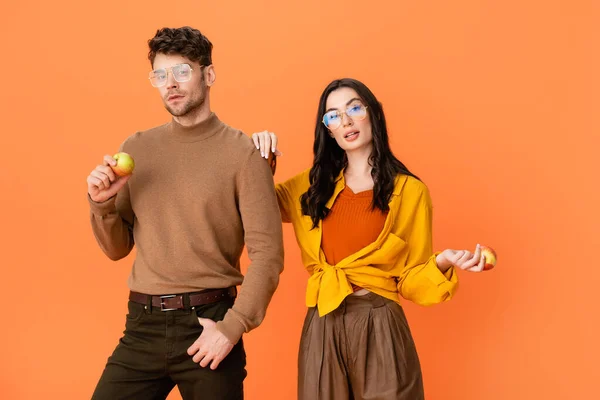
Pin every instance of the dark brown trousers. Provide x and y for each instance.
(363, 351)
(151, 358)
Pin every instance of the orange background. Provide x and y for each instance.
(493, 103)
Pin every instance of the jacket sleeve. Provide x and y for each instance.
(421, 281)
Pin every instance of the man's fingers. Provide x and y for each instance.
(193, 349)
(93, 181)
(119, 183)
(108, 171)
(109, 160)
(215, 363)
(102, 177)
(198, 358)
(200, 355)
(206, 360)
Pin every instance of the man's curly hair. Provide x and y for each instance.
(185, 41)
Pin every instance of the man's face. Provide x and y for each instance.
(181, 98)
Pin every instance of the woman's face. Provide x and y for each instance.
(347, 119)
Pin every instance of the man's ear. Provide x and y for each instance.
(210, 75)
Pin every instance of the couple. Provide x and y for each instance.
(201, 190)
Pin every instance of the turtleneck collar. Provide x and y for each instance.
(193, 133)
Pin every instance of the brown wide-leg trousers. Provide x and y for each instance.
(363, 351)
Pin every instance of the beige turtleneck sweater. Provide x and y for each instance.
(197, 194)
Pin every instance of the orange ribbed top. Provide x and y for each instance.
(350, 225)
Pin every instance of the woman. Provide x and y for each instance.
(363, 223)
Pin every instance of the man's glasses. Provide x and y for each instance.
(356, 112)
(181, 73)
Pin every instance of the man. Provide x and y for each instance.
(199, 191)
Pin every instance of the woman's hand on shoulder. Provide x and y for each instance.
(266, 142)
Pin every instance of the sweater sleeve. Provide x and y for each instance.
(112, 223)
(264, 240)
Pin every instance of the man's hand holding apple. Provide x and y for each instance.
(108, 178)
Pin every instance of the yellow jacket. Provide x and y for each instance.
(401, 260)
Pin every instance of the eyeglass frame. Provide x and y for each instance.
(170, 69)
(342, 118)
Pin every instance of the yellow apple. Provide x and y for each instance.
(124, 165)
(490, 257)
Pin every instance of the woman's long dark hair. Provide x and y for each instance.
(330, 159)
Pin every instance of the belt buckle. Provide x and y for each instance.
(162, 303)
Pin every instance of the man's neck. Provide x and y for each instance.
(194, 117)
